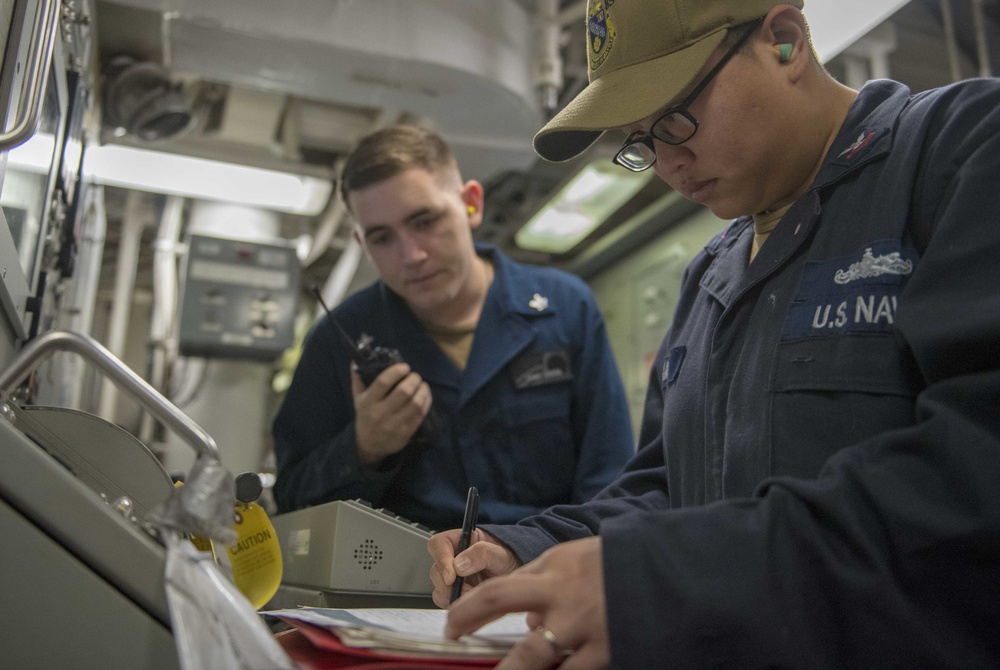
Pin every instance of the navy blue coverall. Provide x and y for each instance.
(818, 477)
(526, 441)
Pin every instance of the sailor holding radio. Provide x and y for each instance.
(512, 360)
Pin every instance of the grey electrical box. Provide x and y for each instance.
(239, 298)
(346, 546)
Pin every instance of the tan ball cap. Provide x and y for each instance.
(641, 54)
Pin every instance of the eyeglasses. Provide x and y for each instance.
(675, 126)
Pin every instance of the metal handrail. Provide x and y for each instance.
(118, 372)
(36, 79)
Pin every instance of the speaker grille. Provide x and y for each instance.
(368, 555)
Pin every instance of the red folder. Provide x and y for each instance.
(317, 649)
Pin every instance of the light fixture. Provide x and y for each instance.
(589, 198)
(35, 155)
(173, 174)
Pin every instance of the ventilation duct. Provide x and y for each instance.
(141, 100)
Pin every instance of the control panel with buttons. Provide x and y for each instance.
(239, 298)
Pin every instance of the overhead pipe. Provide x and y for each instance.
(548, 60)
(573, 15)
(982, 48)
(76, 308)
(330, 222)
(121, 304)
(948, 25)
(343, 272)
(162, 344)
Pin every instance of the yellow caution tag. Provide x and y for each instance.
(256, 556)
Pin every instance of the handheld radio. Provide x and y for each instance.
(371, 361)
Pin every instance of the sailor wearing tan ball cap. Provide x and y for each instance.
(816, 477)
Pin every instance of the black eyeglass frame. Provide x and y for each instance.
(639, 137)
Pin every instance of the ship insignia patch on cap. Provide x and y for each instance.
(600, 31)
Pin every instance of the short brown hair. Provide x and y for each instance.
(392, 150)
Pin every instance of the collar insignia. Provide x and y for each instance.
(859, 144)
(539, 303)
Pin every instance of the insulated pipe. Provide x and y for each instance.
(161, 325)
(948, 25)
(573, 15)
(855, 71)
(548, 61)
(76, 310)
(982, 50)
(327, 229)
(340, 277)
(336, 214)
(121, 305)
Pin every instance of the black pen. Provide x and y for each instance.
(468, 525)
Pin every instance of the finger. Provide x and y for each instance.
(534, 652)
(413, 410)
(442, 592)
(382, 385)
(424, 399)
(441, 547)
(588, 657)
(517, 592)
(403, 395)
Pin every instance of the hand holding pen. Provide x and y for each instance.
(468, 526)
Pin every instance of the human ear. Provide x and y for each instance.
(473, 197)
(785, 28)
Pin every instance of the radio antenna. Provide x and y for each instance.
(355, 349)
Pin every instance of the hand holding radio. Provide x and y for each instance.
(389, 411)
(392, 404)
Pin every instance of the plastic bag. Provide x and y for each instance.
(215, 627)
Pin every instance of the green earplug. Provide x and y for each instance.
(784, 52)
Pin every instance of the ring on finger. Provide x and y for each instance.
(550, 637)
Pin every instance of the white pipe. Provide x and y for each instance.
(855, 72)
(879, 64)
(574, 15)
(982, 50)
(340, 277)
(161, 327)
(948, 24)
(121, 305)
(83, 292)
(67, 372)
(330, 221)
(548, 60)
(327, 229)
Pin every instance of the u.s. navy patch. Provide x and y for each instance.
(851, 294)
(539, 369)
(600, 32)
